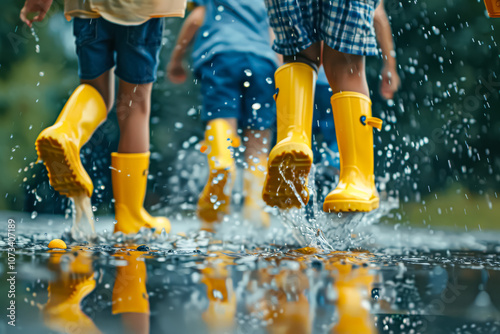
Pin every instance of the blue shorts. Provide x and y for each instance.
(344, 25)
(241, 86)
(100, 45)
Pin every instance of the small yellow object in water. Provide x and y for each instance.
(57, 243)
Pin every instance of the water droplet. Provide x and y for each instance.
(269, 80)
(248, 72)
(256, 106)
(246, 84)
(218, 17)
(34, 214)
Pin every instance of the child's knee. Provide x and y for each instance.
(299, 58)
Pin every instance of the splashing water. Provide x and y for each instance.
(83, 219)
(312, 227)
(34, 34)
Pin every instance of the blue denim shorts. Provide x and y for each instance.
(241, 86)
(134, 50)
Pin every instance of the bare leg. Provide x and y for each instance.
(345, 72)
(136, 323)
(234, 123)
(311, 55)
(133, 108)
(257, 146)
(105, 85)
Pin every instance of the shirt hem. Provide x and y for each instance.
(94, 15)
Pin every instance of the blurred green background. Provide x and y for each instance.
(439, 151)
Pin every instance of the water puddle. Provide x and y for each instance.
(244, 279)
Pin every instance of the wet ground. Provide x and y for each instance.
(356, 276)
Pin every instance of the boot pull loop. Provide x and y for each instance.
(236, 141)
(275, 96)
(375, 122)
(203, 147)
(372, 121)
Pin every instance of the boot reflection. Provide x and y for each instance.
(221, 310)
(281, 298)
(130, 297)
(74, 281)
(289, 310)
(353, 283)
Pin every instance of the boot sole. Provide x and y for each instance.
(350, 205)
(286, 181)
(64, 176)
(205, 210)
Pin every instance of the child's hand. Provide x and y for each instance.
(176, 72)
(390, 82)
(40, 7)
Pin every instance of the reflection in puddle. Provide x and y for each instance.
(197, 285)
(73, 281)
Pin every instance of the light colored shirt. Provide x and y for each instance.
(232, 26)
(124, 12)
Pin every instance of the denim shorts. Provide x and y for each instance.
(238, 85)
(134, 50)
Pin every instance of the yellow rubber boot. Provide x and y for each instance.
(129, 292)
(291, 159)
(493, 7)
(59, 145)
(354, 123)
(129, 175)
(63, 312)
(215, 199)
(253, 181)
